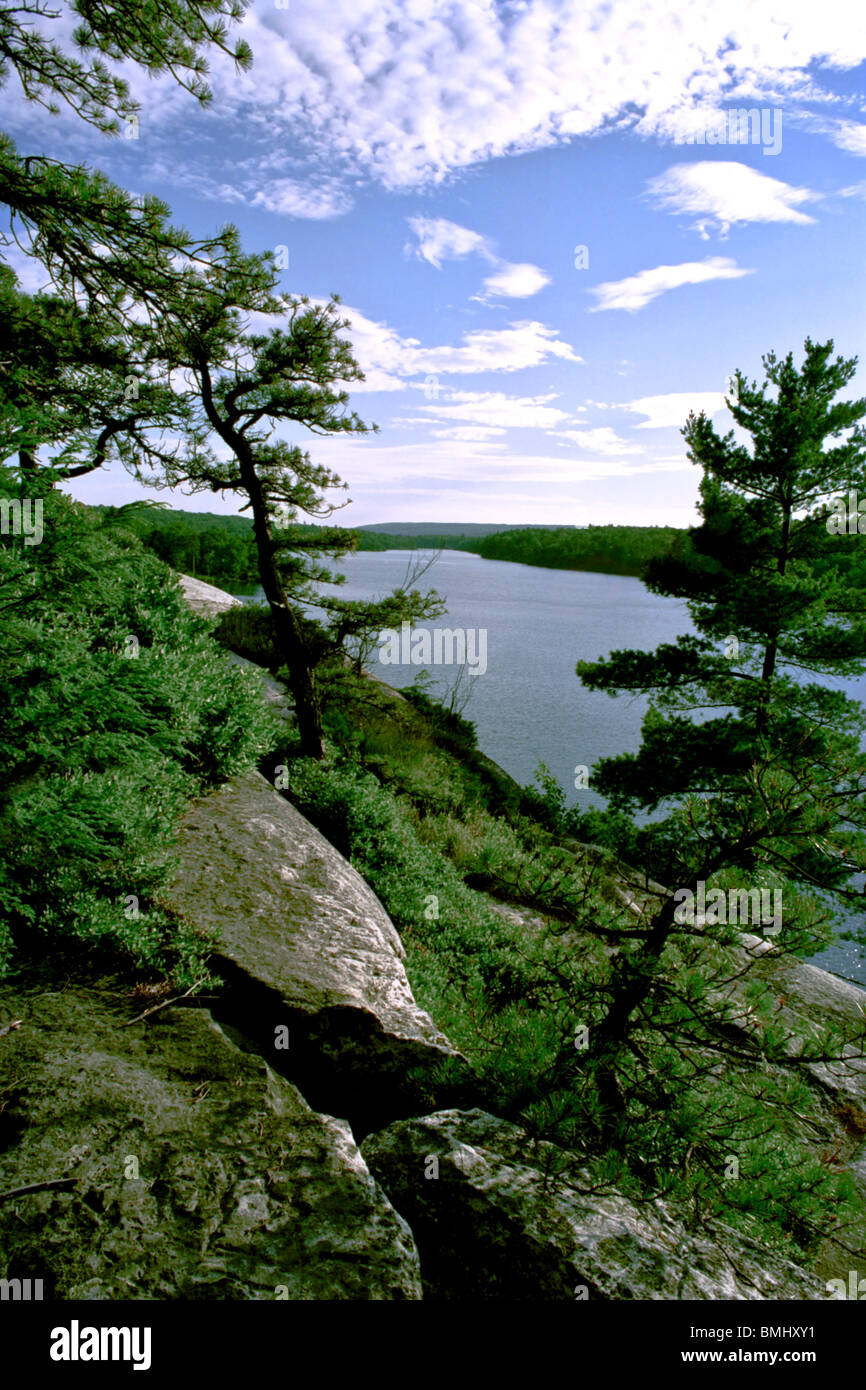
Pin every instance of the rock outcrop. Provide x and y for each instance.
(205, 599)
(499, 1216)
(313, 964)
(183, 1167)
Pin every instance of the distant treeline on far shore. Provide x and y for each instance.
(222, 547)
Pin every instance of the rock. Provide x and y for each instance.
(198, 1172)
(209, 602)
(807, 1001)
(306, 946)
(274, 692)
(206, 599)
(511, 1218)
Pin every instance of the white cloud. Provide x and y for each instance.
(410, 90)
(442, 465)
(316, 200)
(638, 290)
(389, 360)
(496, 409)
(517, 281)
(673, 409)
(440, 240)
(726, 192)
(523, 344)
(468, 434)
(602, 440)
(848, 135)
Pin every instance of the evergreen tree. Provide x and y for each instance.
(758, 772)
(239, 387)
(78, 387)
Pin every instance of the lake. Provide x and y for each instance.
(528, 705)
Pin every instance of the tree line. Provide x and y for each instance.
(624, 550)
(224, 547)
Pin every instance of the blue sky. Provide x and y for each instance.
(439, 163)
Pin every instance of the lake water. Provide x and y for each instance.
(529, 706)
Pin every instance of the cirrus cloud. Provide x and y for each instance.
(636, 291)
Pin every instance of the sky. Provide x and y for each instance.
(552, 233)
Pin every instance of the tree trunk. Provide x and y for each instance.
(771, 650)
(290, 639)
(289, 635)
(608, 1036)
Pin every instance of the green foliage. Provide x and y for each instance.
(218, 553)
(71, 68)
(764, 766)
(461, 957)
(248, 629)
(116, 707)
(451, 730)
(397, 540)
(604, 549)
(77, 382)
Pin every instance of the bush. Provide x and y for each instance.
(248, 630)
(452, 731)
(115, 708)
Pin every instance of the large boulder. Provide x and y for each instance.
(498, 1215)
(183, 1167)
(313, 964)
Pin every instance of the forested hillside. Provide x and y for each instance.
(604, 549)
(222, 547)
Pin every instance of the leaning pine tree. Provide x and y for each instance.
(756, 774)
(240, 388)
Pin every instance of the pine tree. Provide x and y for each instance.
(78, 387)
(95, 239)
(758, 773)
(239, 387)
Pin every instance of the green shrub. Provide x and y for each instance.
(115, 707)
(451, 729)
(248, 630)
